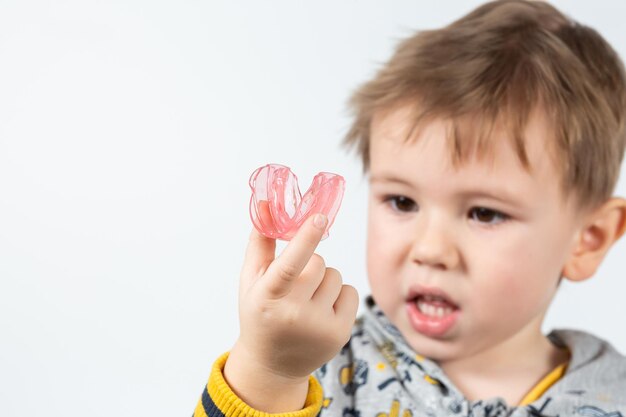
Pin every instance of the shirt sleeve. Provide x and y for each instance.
(219, 400)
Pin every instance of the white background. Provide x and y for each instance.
(128, 131)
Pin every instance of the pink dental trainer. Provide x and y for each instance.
(277, 208)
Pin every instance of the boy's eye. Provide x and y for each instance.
(400, 203)
(484, 215)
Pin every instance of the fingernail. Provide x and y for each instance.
(319, 221)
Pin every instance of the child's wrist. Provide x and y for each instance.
(260, 387)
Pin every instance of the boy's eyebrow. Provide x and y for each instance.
(496, 194)
(389, 178)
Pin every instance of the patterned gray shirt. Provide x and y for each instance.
(377, 374)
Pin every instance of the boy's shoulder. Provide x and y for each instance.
(594, 364)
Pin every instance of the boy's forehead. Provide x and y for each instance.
(394, 133)
(394, 153)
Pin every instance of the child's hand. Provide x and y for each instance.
(294, 314)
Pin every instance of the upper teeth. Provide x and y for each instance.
(431, 310)
(430, 297)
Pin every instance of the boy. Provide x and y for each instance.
(493, 146)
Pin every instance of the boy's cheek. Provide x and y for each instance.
(375, 237)
(514, 293)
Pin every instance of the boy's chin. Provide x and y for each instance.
(436, 349)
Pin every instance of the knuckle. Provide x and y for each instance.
(350, 297)
(317, 261)
(350, 290)
(286, 272)
(353, 295)
(333, 278)
(330, 271)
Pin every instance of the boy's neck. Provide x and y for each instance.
(509, 370)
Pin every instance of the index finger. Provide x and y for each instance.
(292, 260)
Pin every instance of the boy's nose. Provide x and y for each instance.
(434, 244)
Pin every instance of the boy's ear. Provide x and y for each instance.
(603, 227)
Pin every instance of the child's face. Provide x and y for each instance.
(423, 231)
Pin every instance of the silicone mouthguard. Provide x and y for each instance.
(278, 210)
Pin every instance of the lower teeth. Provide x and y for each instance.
(430, 310)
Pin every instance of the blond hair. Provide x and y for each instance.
(497, 64)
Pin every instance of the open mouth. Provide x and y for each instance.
(431, 312)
